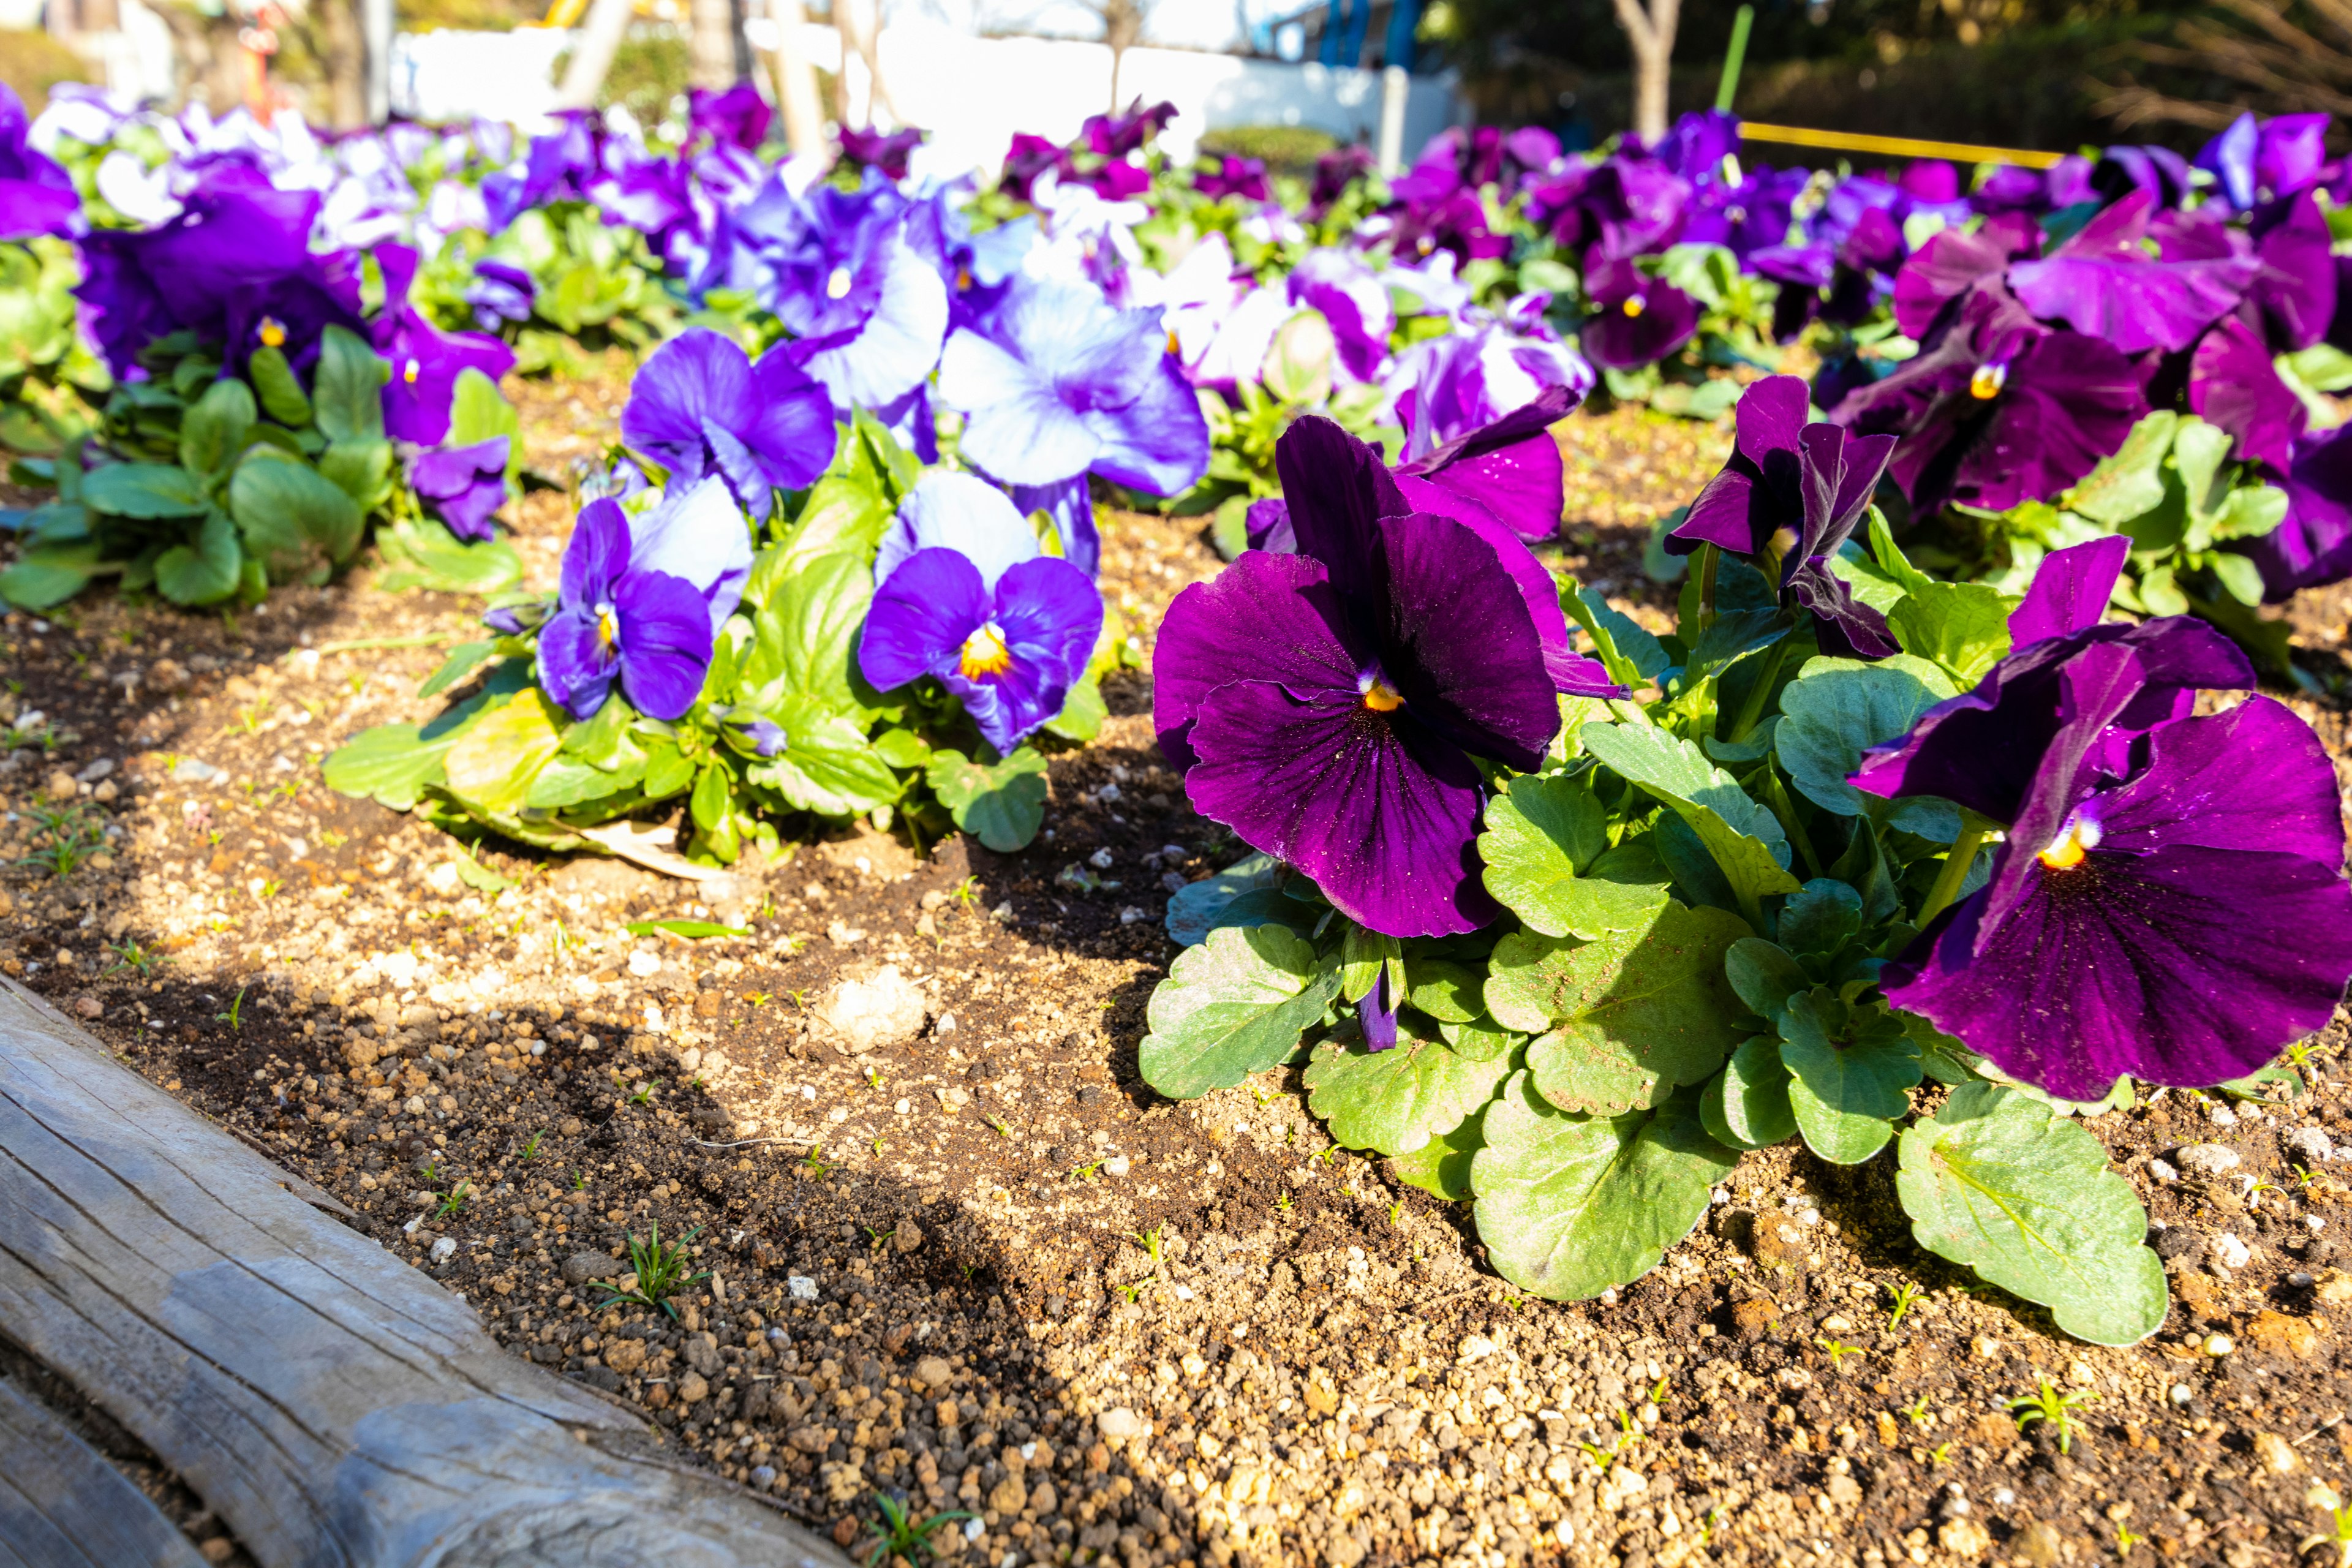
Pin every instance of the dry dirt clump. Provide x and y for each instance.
(948, 1248)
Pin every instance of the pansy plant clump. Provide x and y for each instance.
(1897, 868)
(770, 621)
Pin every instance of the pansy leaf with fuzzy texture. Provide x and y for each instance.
(1572, 1206)
(2016, 1192)
(1961, 627)
(1743, 837)
(1232, 1006)
(1395, 1101)
(1001, 805)
(1853, 1067)
(1442, 1165)
(1192, 912)
(1548, 860)
(1747, 1107)
(1840, 707)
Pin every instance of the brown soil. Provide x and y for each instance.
(931, 1267)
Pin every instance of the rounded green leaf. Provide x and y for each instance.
(1854, 1068)
(1840, 707)
(281, 392)
(347, 398)
(293, 517)
(1395, 1101)
(212, 430)
(1232, 1006)
(392, 764)
(1764, 976)
(1548, 860)
(1747, 1106)
(827, 765)
(1193, 912)
(2021, 1195)
(1743, 837)
(1571, 1205)
(143, 490)
(1442, 1165)
(1003, 806)
(205, 571)
(1447, 992)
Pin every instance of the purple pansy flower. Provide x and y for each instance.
(1997, 409)
(2277, 158)
(1242, 178)
(2233, 385)
(1057, 384)
(1117, 135)
(640, 600)
(1350, 297)
(1509, 465)
(2103, 282)
(426, 361)
(465, 484)
(887, 151)
(1010, 649)
(1953, 262)
(2160, 171)
(556, 166)
(36, 196)
(734, 117)
(1335, 171)
(2312, 546)
(962, 512)
(1326, 705)
(2170, 900)
(2295, 291)
(499, 292)
(700, 406)
(1795, 492)
(1637, 320)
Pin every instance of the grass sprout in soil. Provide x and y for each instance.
(903, 1290)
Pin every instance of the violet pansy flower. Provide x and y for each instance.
(2103, 282)
(2233, 385)
(500, 292)
(426, 361)
(734, 117)
(465, 484)
(1510, 465)
(36, 195)
(1057, 384)
(2313, 544)
(1326, 705)
(640, 600)
(2169, 901)
(962, 512)
(1242, 178)
(1009, 650)
(700, 406)
(884, 152)
(1637, 320)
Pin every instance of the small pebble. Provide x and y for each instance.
(2219, 1345)
(801, 1286)
(2299, 1279)
(2313, 1222)
(2003, 1496)
(2222, 1115)
(443, 1249)
(2163, 1171)
(2231, 1253)
(764, 1477)
(2207, 1159)
(2182, 1394)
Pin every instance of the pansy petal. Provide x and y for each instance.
(2255, 777)
(698, 534)
(1380, 810)
(1338, 490)
(948, 509)
(1019, 429)
(2070, 590)
(790, 429)
(574, 669)
(1487, 690)
(698, 376)
(1572, 672)
(1158, 442)
(597, 554)
(1265, 617)
(921, 618)
(665, 642)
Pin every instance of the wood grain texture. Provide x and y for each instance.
(62, 1505)
(336, 1408)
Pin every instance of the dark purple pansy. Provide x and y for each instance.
(1637, 320)
(2160, 171)
(2313, 545)
(1984, 747)
(499, 292)
(1696, 145)
(1954, 261)
(1350, 297)
(1758, 490)
(1748, 217)
(1326, 705)
(700, 406)
(1871, 252)
(1802, 271)
(1334, 172)
(734, 117)
(1010, 655)
(2233, 385)
(465, 484)
(426, 361)
(1996, 409)
(2179, 923)
(2295, 291)
(1242, 178)
(2278, 158)
(1511, 466)
(885, 150)
(1117, 135)
(1457, 223)
(617, 620)
(556, 166)
(1028, 158)
(36, 196)
(2103, 282)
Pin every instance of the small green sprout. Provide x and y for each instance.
(2339, 1535)
(876, 1240)
(130, 955)
(813, 1162)
(998, 1123)
(1396, 1215)
(453, 1202)
(758, 998)
(1916, 1411)
(1283, 1202)
(2125, 1541)
(1085, 1171)
(1905, 1294)
(1940, 1454)
(900, 1536)
(2304, 1175)
(1149, 1240)
(661, 1270)
(579, 1179)
(874, 1080)
(234, 1016)
(531, 1149)
(2052, 1406)
(645, 1091)
(1837, 1352)
(1659, 1392)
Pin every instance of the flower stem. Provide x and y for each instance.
(1708, 557)
(1973, 829)
(1752, 708)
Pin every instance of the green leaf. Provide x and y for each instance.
(1632, 653)
(478, 411)
(1362, 955)
(693, 931)
(828, 765)
(1003, 806)
(806, 637)
(2250, 511)
(2131, 481)
(49, 575)
(902, 749)
(1548, 860)
(1961, 627)
(463, 660)
(1395, 1101)
(1836, 710)
(281, 390)
(1742, 836)
(294, 518)
(2022, 1196)
(1083, 712)
(1193, 912)
(212, 430)
(490, 763)
(426, 554)
(602, 740)
(1747, 1106)
(1637, 1013)
(1821, 918)
(1890, 557)
(2198, 451)
(1763, 975)
(842, 516)
(203, 573)
(361, 469)
(1230, 1006)
(348, 387)
(712, 801)
(1481, 1039)
(1569, 1207)
(391, 763)
(143, 490)
(478, 877)
(1445, 991)
(1442, 1165)
(2239, 577)
(1853, 1067)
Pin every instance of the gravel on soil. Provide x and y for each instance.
(950, 1250)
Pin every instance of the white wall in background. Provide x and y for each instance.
(970, 93)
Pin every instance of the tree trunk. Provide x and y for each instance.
(1651, 33)
(796, 94)
(346, 62)
(856, 23)
(712, 43)
(591, 53)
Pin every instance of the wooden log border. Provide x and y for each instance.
(333, 1407)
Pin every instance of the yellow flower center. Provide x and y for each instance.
(608, 628)
(985, 653)
(1172, 341)
(1381, 697)
(1634, 306)
(1987, 382)
(836, 286)
(410, 372)
(964, 278)
(273, 332)
(2071, 846)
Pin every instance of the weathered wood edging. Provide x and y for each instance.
(332, 1406)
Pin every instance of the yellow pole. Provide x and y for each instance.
(1895, 146)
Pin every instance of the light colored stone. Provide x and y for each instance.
(582, 1267)
(1118, 1424)
(2231, 1253)
(1963, 1538)
(2277, 1454)
(2208, 1160)
(625, 1356)
(692, 1389)
(933, 1372)
(2310, 1143)
(868, 1014)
